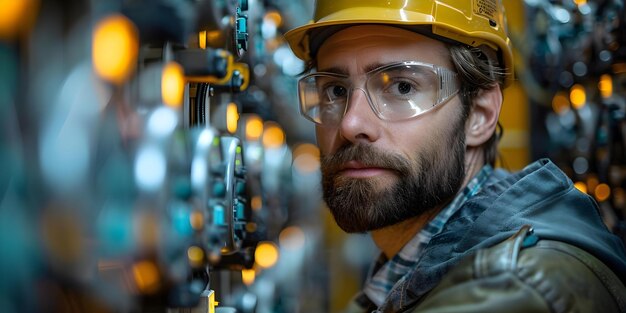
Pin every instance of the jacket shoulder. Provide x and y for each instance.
(522, 274)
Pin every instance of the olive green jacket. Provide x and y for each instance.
(486, 259)
(520, 275)
(523, 275)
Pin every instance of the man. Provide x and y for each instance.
(406, 97)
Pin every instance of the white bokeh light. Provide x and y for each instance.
(150, 168)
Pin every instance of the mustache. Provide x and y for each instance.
(365, 154)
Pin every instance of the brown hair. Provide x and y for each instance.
(476, 72)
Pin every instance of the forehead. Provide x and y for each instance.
(358, 47)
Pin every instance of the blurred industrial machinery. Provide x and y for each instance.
(142, 168)
(152, 158)
(573, 66)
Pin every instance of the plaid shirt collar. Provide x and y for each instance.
(385, 274)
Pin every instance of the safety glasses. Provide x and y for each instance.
(395, 91)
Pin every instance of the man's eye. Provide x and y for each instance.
(339, 91)
(334, 92)
(403, 88)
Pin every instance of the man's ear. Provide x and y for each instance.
(484, 115)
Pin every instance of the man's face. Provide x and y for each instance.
(377, 173)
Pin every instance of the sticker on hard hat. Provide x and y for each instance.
(486, 8)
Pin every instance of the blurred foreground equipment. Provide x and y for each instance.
(127, 182)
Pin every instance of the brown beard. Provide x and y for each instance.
(359, 206)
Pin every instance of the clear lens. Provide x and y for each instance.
(323, 98)
(403, 91)
(395, 92)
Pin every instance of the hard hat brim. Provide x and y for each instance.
(299, 39)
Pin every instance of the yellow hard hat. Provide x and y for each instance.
(472, 22)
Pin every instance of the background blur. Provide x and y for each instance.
(152, 157)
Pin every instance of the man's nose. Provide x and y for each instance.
(359, 122)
